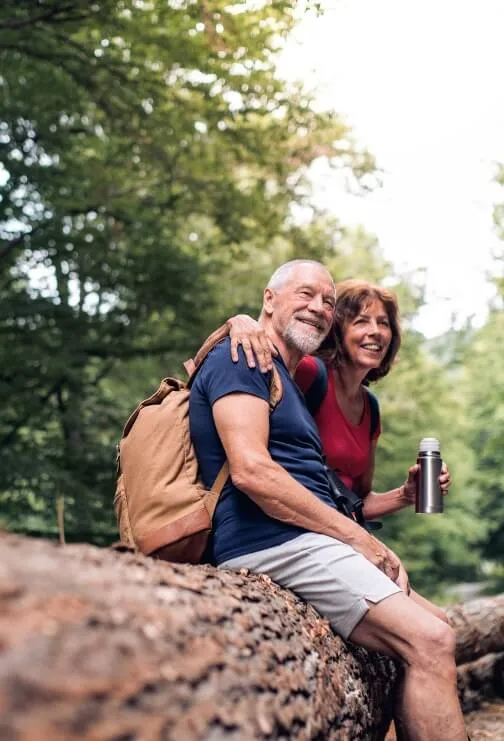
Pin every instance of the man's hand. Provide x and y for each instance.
(402, 580)
(409, 487)
(383, 558)
(245, 331)
(378, 553)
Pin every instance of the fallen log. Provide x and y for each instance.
(117, 647)
(479, 626)
(480, 680)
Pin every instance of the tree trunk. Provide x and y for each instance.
(117, 647)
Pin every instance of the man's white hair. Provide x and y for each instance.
(283, 273)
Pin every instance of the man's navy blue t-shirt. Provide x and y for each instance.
(239, 525)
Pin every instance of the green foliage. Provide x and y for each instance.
(147, 149)
(484, 384)
(153, 173)
(418, 400)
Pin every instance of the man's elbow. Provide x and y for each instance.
(248, 472)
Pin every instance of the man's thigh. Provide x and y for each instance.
(329, 574)
(395, 626)
(429, 606)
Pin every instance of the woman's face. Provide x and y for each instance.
(367, 337)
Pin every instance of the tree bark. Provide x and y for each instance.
(117, 647)
(479, 626)
(480, 680)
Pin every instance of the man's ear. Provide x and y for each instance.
(268, 301)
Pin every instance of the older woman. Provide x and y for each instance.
(360, 348)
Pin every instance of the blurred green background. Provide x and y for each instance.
(153, 173)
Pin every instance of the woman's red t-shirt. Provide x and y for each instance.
(347, 447)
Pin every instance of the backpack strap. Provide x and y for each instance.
(212, 496)
(192, 364)
(374, 409)
(314, 396)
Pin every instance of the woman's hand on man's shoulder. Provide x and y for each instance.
(258, 348)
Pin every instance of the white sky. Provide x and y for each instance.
(421, 82)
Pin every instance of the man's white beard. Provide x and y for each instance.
(303, 339)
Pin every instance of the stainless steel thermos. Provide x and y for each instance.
(429, 499)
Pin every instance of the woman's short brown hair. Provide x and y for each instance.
(351, 297)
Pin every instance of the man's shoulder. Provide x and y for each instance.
(218, 361)
(220, 375)
(220, 353)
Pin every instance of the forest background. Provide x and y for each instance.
(154, 170)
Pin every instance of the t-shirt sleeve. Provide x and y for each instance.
(306, 372)
(220, 376)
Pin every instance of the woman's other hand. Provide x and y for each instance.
(409, 486)
(245, 331)
(444, 479)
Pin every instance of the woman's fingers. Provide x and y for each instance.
(272, 348)
(444, 479)
(265, 353)
(249, 348)
(257, 349)
(234, 349)
(409, 486)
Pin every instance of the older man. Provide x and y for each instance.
(276, 516)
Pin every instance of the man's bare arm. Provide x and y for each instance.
(242, 421)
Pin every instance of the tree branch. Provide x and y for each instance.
(54, 14)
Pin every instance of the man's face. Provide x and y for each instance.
(302, 309)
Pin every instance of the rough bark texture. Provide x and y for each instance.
(480, 680)
(116, 647)
(479, 625)
(487, 724)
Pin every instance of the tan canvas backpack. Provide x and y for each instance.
(161, 505)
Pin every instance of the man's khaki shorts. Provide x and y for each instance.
(329, 574)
